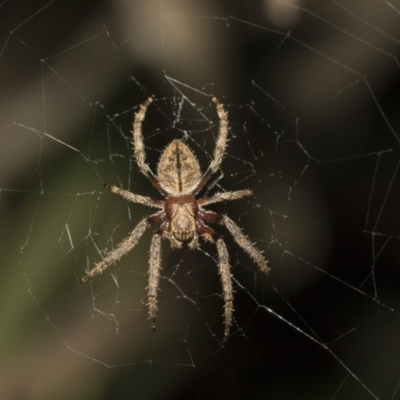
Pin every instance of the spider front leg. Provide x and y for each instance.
(155, 267)
(226, 279)
(154, 277)
(224, 268)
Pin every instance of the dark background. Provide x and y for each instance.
(312, 92)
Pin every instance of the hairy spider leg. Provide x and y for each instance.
(226, 279)
(191, 214)
(154, 277)
(125, 246)
(135, 198)
(138, 146)
(224, 267)
(219, 150)
(210, 185)
(243, 241)
(223, 256)
(240, 238)
(224, 196)
(222, 140)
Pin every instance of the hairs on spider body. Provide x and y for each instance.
(182, 216)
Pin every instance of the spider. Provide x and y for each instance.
(182, 216)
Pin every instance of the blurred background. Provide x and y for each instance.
(312, 92)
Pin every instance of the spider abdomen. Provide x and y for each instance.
(178, 170)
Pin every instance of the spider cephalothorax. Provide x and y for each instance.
(182, 216)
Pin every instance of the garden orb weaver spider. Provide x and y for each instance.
(182, 216)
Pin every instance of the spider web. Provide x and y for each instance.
(311, 89)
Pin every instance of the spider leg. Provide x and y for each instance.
(204, 182)
(224, 270)
(154, 277)
(135, 198)
(138, 146)
(225, 196)
(220, 147)
(155, 267)
(222, 137)
(124, 247)
(226, 279)
(245, 243)
(210, 185)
